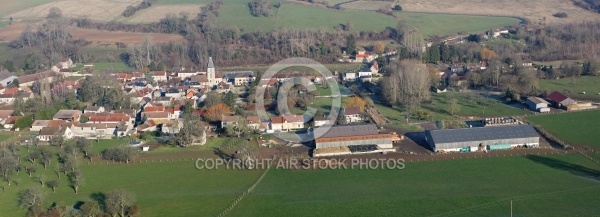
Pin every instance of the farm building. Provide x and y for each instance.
(537, 104)
(351, 139)
(560, 100)
(480, 138)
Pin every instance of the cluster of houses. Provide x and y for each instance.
(368, 72)
(557, 100)
(96, 122)
(285, 123)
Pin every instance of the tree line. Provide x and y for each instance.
(131, 10)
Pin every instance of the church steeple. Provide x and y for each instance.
(210, 63)
(211, 72)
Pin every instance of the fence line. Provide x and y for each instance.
(248, 191)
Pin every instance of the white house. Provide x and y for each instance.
(537, 104)
(187, 74)
(350, 76)
(159, 76)
(47, 133)
(352, 114)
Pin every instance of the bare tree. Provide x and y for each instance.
(30, 170)
(409, 82)
(76, 179)
(454, 106)
(119, 201)
(8, 165)
(192, 130)
(31, 197)
(84, 146)
(53, 184)
(40, 179)
(46, 156)
(90, 208)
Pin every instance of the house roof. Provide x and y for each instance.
(321, 118)
(101, 118)
(49, 123)
(557, 97)
(351, 111)
(97, 125)
(65, 114)
(159, 73)
(12, 119)
(288, 118)
(227, 118)
(154, 108)
(347, 130)
(49, 131)
(482, 133)
(124, 76)
(4, 114)
(147, 124)
(130, 112)
(93, 108)
(36, 76)
(537, 100)
(156, 115)
(12, 90)
(253, 120)
(8, 96)
(199, 78)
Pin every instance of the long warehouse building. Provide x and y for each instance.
(480, 138)
(352, 139)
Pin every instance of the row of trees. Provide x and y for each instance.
(406, 83)
(131, 10)
(117, 202)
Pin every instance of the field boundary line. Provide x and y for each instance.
(246, 192)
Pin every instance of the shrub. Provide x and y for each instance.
(560, 15)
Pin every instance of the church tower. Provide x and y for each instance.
(210, 72)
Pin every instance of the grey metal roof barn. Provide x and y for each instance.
(348, 130)
(471, 137)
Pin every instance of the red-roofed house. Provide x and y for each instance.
(151, 108)
(560, 100)
(12, 90)
(287, 123)
(113, 118)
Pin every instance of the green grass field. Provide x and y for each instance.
(576, 127)
(576, 86)
(295, 16)
(162, 189)
(468, 187)
(439, 107)
(564, 185)
(441, 24)
(470, 105)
